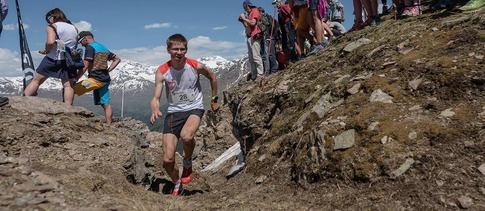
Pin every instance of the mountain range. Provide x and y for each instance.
(134, 82)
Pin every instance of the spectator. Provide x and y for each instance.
(287, 30)
(336, 27)
(4, 12)
(385, 8)
(54, 64)
(268, 49)
(96, 58)
(253, 39)
(300, 13)
(314, 19)
(336, 12)
(411, 8)
(358, 21)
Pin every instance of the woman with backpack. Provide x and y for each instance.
(54, 64)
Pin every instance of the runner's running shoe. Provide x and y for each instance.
(187, 173)
(178, 189)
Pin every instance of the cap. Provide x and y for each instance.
(276, 1)
(84, 34)
(248, 2)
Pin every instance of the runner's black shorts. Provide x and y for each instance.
(174, 122)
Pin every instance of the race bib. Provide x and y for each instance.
(183, 97)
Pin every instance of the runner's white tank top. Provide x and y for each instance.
(184, 92)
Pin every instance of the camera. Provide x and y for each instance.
(240, 19)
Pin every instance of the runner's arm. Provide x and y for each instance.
(202, 69)
(157, 93)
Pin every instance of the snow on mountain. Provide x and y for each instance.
(216, 63)
(137, 77)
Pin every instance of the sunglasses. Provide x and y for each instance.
(48, 18)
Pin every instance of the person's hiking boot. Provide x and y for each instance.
(178, 189)
(385, 9)
(187, 173)
(316, 49)
(3, 101)
(357, 26)
(302, 56)
(376, 21)
(367, 22)
(473, 5)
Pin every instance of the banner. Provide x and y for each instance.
(27, 63)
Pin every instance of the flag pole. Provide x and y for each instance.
(27, 63)
(122, 98)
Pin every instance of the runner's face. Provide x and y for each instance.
(177, 51)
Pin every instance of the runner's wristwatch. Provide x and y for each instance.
(214, 99)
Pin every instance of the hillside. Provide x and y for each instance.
(386, 118)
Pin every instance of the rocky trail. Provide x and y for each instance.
(386, 118)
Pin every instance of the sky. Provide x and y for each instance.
(136, 30)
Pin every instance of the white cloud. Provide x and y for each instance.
(83, 26)
(219, 28)
(151, 56)
(158, 25)
(206, 42)
(10, 64)
(14, 26)
(199, 47)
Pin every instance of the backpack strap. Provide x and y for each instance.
(55, 30)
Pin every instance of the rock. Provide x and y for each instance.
(413, 135)
(262, 158)
(261, 179)
(354, 89)
(415, 108)
(46, 106)
(379, 96)
(372, 126)
(482, 168)
(324, 105)
(341, 79)
(465, 202)
(344, 140)
(354, 45)
(403, 168)
(454, 22)
(469, 144)
(369, 55)
(386, 139)
(482, 190)
(447, 113)
(415, 83)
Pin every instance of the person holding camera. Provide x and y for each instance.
(253, 39)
